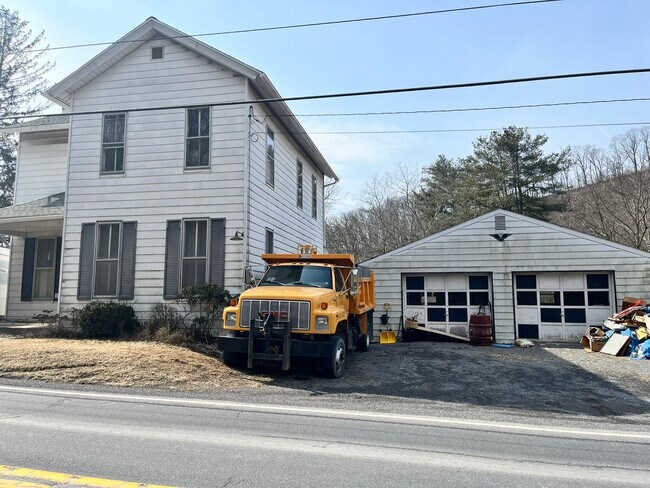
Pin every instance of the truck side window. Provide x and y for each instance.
(340, 282)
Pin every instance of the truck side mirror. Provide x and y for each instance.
(354, 282)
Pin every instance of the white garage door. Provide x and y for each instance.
(445, 302)
(560, 306)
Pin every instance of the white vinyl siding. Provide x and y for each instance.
(277, 209)
(533, 247)
(113, 139)
(41, 166)
(156, 186)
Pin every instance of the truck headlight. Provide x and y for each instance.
(231, 319)
(322, 323)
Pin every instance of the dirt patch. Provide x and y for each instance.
(131, 364)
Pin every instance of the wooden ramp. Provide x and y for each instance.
(440, 332)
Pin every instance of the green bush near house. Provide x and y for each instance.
(107, 320)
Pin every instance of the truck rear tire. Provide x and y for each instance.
(363, 344)
(335, 363)
(235, 360)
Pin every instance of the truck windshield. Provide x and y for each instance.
(318, 276)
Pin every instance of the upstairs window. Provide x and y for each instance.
(314, 197)
(299, 185)
(197, 151)
(107, 259)
(113, 143)
(195, 253)
(270, 157)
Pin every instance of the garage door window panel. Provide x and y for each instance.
(415, 282)
(598, 281)
(527, 298)
(478, 283)
(458, 315)
(598, 298)
(436, 314)
(575, 316)
(436, 298)
(478, 298)
(551, 315)
(415, 298)
(457, 298)
(574, 298)
(526, 282)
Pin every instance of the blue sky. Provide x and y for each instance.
(570, 36)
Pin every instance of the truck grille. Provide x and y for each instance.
(294, 311)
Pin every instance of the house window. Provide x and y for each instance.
(314, 197)
(268, 248)
(195, 253)
(113, 144)
(107, 259)
(270, 157)
(44, 269)
(197, 152)
(299, 186)
(157, 52)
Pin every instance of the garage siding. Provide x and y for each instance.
(533, 246)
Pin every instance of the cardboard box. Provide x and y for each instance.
(591, 345)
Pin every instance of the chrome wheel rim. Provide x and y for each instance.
(340, 359)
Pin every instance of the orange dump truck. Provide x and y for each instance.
(307, 305)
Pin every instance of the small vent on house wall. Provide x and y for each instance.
(157, 52)
(499, 222)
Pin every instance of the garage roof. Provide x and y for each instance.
(507, 213)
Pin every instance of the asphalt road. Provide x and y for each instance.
(187, 442)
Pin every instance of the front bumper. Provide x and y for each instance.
(299, 348)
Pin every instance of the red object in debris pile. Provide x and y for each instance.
(480, 329)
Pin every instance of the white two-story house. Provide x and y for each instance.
(165, 169)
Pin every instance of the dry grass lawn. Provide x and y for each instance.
(114, 363)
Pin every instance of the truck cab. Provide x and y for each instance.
(306, 305)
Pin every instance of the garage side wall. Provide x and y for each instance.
(533, 246)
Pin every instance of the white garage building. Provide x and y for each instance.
(543, 281)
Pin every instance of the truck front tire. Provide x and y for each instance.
(232, 359)
(335, 363)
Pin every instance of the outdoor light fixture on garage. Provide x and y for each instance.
(239, 236)
(500, 237)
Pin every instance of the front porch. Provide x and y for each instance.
(35, 228)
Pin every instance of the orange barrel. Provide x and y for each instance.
(480, 329)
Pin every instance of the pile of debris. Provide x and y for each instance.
(624, 334)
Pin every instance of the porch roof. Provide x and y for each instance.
(43, 214)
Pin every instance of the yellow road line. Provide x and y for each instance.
(61, 479)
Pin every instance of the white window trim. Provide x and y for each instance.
(101, 156)
(185, 139)
(36, 268)
(207, 249)
(119, 259)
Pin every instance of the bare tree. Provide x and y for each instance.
(610, 196)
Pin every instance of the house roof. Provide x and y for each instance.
(525, 218)
(152, 28)
(51, 122)
(47, 208)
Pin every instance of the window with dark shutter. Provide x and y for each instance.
(86, 262)
(172, 259)
(217, 251)
(127, 261)
(28, 270)
(268, 248)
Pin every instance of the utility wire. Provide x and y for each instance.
(434, 131)
(470, 109)
(473, 84)
(313, 24)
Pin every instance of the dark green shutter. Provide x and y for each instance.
(172, 259)
(217, 251)
(86, 260)
(28, 270)
(57, 267)
(127, 261)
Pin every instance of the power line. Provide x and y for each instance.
(313, 24)
(471, 109)
(434, 131)
(473, 84)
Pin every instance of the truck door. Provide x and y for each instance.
(342, 291)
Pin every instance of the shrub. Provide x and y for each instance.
(164, 320)
(59, 326)
(204, 304)
(107, 320)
